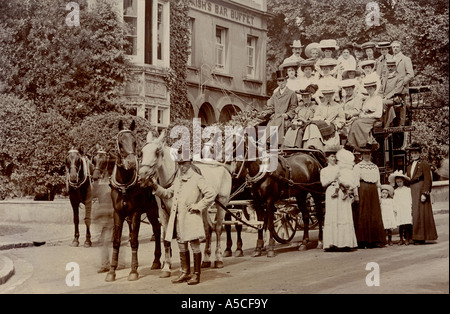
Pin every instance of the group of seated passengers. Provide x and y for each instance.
(335, 106)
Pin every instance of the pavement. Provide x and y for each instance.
(16, 235)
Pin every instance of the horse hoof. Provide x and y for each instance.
(165, 274)
(206, 264)
(110, 277)
(302, 248)
(256, 253)
(87, 243)
(238, 253)
(227, 253)
(75, 243)
(271, 253)
(133, 276)
(218, 264)
(156, 265)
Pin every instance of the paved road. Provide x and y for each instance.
(405, 269)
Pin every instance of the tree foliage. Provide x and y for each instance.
(76, 70)
(179, 53)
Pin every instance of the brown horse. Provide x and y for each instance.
(130, 200)
(79, 169)
(295, 175)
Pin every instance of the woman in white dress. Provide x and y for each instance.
(339, 232)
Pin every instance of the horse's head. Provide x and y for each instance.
(74, 165)
(152, 155)
(100, 162)
(126, 147)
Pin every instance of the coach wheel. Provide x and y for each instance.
(285, 221)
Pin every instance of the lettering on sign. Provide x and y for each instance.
(222, 11)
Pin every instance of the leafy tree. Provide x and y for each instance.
(76, 70)
(31, 145)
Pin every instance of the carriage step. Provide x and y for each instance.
(240, 203)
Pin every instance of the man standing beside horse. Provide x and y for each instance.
(191, 196)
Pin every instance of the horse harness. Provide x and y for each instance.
(86, 172)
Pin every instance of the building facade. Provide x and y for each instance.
(149, 30)
(227, 64)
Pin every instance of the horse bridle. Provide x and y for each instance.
(86, 175)
(152, 166)
(123, 187)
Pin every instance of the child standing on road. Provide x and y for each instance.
(403, 206)
(388, 211)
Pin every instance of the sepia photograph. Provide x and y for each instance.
(224, 155)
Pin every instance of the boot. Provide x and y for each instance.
(197, 263)
(185, 261)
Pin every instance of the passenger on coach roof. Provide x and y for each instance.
(328, 120)
(391, 90)
(281, 106)
(297, 48)
(345, 61)
(326, 79)
(359, 54)
(351, 104)
(404, 66)
(293, 82)
(307, 76)
(368, 67)
(360, 132)
(368, 48)
(304, 113)
(381, 66)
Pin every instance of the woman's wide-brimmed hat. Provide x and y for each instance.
(331, 149)
(415, 147)
(347, 71)
(328, 44)
(384, 44)
(369, 148)
(368, 44)
(307, 63)
(325, 62)
(369, 81)
(389, 188)
(348, 83)
(311, 89)
(297, 44)
(291, 64)
(309, 48)
(366, 63)
(397, 174)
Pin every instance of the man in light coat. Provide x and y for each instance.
(404, 66)
(391, 86)
(281, 106)
(191, 195)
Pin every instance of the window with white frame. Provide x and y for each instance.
(148, 31)
(220, 48)
(130, 18)
(251, 56)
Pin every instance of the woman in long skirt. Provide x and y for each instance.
(339, 232)
(424, 227)
(370, 229)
